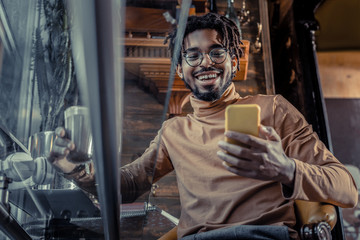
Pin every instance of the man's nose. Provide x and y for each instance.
(207, 60)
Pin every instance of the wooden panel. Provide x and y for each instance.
(342, 31)
(151, 42)
(133, 60)
(146, 20)
(340, 73)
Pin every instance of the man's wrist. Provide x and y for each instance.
(77, 169)
(290, 176)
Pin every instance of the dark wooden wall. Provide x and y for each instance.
(344, 119)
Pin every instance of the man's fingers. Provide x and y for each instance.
(59, 151)
(251, 141)
(60, 131)
(63, 142)
(240, 163)
(236, 150)
(62, 146)
(239, 171)
(268, 133)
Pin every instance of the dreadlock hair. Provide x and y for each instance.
(225, 27)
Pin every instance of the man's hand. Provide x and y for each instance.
(261, 157)
(61, 148)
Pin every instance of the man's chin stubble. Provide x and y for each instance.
(209, 96)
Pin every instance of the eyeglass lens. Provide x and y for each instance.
(195, 58)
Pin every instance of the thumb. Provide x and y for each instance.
(268, 133)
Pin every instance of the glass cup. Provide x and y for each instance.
(40, 144)
(77, 125)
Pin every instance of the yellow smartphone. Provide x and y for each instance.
(244, 118)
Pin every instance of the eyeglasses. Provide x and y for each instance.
(195, 58)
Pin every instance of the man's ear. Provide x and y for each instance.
(179, 71)
(234, 63)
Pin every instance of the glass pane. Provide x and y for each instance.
(147, 72)
(45, 70)
(38, 83)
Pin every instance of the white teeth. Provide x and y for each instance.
(205, 77)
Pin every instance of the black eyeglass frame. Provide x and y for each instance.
(202, 56)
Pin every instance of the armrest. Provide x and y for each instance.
(314, 212)
(310, 215)
(315, 218)
(170, 235)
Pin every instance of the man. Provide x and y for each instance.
(258, 183)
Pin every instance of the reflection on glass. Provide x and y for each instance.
(49, 80)
(244, 14)
(37, 83)
(231, 13)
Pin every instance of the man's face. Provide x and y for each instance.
(209, 80)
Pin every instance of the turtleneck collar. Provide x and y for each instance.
(204, 108)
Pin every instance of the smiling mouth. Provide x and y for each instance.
(207, 77)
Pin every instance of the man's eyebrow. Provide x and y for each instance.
(192, 49)
(216, 45)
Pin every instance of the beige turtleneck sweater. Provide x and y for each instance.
(212, 197)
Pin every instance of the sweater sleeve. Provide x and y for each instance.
(136, 177)
(319, 176)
